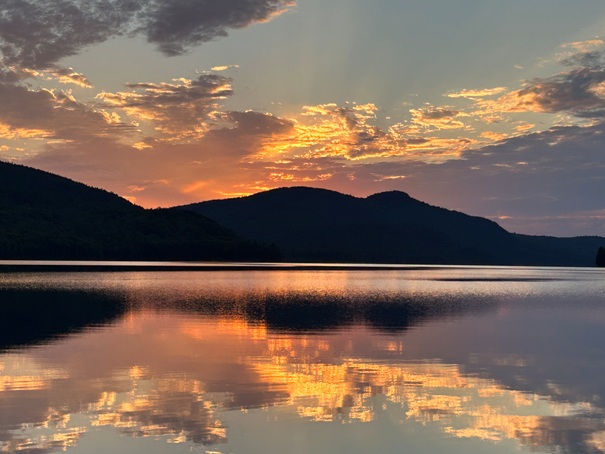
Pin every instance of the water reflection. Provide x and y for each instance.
(470, 369)
(32, 315)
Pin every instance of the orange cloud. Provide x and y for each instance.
(180, 111)
(223, 67)
(53, 114)
(495, 136)
(328, 130)
(11, 133)
(584, 46)
(471, 94)
(69, 76)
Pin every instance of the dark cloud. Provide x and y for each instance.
(257, 123)
(39, 33)
(580, 91)
(593, 59)
(439, 113)
(177, 25)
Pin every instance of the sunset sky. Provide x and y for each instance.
(492, 107)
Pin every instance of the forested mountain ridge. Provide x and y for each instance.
(45, 216)
(311, 225)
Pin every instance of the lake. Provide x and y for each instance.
(391, 360)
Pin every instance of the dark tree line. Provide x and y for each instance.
(44, 216)
(601, 257)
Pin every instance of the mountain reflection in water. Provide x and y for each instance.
(303, 362)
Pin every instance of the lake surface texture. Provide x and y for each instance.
(424, 360)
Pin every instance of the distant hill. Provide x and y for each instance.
(312, 225)
(45, 216)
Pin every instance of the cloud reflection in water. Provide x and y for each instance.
(184, 367)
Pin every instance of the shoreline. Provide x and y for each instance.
(35, 266)
(109, 266)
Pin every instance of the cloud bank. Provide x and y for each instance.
(37, 34)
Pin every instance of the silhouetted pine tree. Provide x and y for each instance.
(601, 256)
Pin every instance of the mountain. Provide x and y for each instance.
(45, 216)
(318, 225)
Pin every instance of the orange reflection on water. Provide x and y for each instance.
(18, 373)
(58, 441)
(176, 377)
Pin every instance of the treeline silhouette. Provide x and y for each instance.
(317, 225)
(31, 316)
(44, 216)
(38, 315)
(600, 261)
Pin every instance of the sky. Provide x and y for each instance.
(491, 107)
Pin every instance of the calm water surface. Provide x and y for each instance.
(428, 360)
